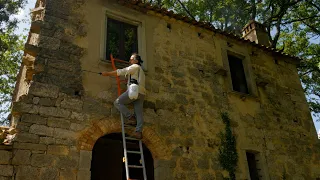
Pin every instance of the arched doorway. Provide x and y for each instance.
(107, 163)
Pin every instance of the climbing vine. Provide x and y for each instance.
(228, 156)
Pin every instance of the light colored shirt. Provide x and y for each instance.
(136, 73)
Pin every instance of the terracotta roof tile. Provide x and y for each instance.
(144, 7)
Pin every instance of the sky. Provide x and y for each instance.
(24, 14)
(24, 28)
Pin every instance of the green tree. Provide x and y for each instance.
(292, 25)
(301, 37)
(10, 53)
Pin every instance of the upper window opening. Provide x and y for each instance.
(238, 77)
(122, 39)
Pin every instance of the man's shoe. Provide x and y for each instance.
(137, 135)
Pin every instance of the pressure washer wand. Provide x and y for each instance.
(92, 72)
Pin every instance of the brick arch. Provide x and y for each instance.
(99, 128)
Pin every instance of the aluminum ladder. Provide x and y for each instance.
(128, 166)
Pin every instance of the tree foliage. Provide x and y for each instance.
(292, 25)
(7, 9)
(10, 53)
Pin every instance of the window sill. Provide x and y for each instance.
(244, 96)
(118, 64)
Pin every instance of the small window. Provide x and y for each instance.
(252, 164)
(238, 77)
(122, 39)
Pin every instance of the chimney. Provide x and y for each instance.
(256, 32)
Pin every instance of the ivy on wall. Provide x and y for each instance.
(228, 156)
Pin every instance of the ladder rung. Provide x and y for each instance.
(134, 166)
(129, 125)
(131, 138)
(134, 152)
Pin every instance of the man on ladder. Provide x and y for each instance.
(136, 76)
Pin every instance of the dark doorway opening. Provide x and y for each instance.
(107, 155)
(252, 164)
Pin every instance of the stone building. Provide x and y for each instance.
(68, 129)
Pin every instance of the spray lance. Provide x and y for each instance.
(92, 72)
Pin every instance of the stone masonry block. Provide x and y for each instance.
(6, 170)
(58, 150)
(63, 65)
(37, 147)
(85, 160)
(207, 176)
(35, 119)
(27, 173)
(46, 102)
(93, 106)
(27, 137)
(43, 160)
(71, 103)
(49, 174)
(77, 127)
(67, 142)
(44, 90)
(41, 130)
(21, 157)
(187, 164)
(68, 174)
(84, 175)
(71, 48)
(164, 173)
(5, 177)
(23, 127)
(35, 100)
(25, 108)
(203, 162)
(58, 122)
(49, 42)
(47, 140)
(64, 134)
(5, 157)
(67, 162)
(165, 163)
(53, 111)
(79, 116)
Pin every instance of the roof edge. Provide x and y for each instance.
(144, 7)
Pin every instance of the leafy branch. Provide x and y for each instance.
(228, 156)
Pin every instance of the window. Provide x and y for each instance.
(238, 77)
(252, 164)
(122, 39)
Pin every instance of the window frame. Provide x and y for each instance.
(238, 58)
(122, 41)
(125, 17)
(242, 54)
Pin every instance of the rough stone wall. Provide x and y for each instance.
(48, 116)
(291, 147)
(189, 93)
(60, 118)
